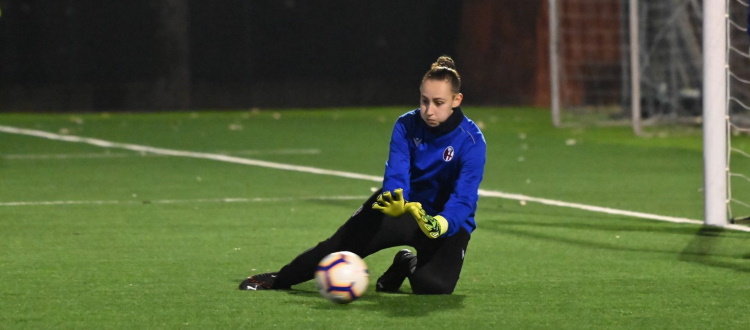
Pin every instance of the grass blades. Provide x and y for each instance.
(116, 239)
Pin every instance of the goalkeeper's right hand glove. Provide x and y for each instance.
(433, 227)
(391, 204)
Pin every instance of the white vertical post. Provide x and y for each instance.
(554, 66)
(715, 112)
(635, 68)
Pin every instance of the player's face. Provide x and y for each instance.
(437, 101)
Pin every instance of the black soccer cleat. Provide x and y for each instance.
(263, 281)
(403, 265)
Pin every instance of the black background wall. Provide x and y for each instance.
(82, 55)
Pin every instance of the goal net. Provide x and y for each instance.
(738, 109)
(595, 41)
(642, 62)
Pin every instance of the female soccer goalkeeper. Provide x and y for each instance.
(428, 200)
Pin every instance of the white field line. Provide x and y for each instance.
(66, 156)
(180, 153)
(301, 151)
(145, 154)
(351, 175)
(184, 201)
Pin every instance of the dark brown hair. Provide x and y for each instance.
(444, 69)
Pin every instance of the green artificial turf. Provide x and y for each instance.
(102, 238)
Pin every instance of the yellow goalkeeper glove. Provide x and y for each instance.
(433, 227)
(391, 204)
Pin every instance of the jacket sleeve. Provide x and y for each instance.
(397, 167)
(462, 203)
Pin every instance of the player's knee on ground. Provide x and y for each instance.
(432, 286)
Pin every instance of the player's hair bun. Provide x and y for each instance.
(444, 61)
(445, 69)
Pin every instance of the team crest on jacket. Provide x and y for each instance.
(448, 154)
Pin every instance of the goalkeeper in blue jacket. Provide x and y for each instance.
(428, 200)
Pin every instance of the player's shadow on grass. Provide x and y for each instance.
(396, 305)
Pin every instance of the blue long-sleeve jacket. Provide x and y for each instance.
(440, 168)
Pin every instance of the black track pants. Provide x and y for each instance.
(439, 261)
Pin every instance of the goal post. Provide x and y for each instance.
(715, 114)
(554, 64)
(635, 68)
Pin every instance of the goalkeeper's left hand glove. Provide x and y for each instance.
(391, 204)
(433, 227)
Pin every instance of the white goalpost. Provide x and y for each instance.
(635, 68)
(715, 116)
(554, 64)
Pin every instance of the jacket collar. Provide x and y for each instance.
(449, 124)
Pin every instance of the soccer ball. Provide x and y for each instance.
(342, 277)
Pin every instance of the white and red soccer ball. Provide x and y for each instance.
(342, 277)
